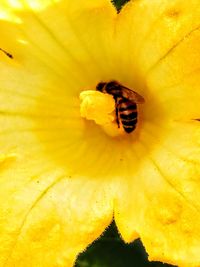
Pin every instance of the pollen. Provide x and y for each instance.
(100, 108)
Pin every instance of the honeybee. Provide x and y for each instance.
(126, 101)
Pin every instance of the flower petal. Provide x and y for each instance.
(163, 206)
(40, 89)
(174, 82)
(52, 211)
(51, 218)
(153, 28)
(159, 44)
(68, 44)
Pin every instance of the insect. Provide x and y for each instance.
(6, 53)
(126, 101)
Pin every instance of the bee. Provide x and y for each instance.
(126, 101)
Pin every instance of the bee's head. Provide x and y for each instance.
(100, 86)
(112, 84)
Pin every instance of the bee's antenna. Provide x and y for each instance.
(6, 53)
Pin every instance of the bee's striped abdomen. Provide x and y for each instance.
(128, 114)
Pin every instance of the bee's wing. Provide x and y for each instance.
(132, 95)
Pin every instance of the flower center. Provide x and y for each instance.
(112, 106)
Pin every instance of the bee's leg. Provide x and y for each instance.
(116, 111)
(117, 117)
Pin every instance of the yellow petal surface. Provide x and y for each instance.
(61, 174)
(52, 209)
(163, 204)
(159, 44)
(47, 222)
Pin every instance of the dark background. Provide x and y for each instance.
(110, 250)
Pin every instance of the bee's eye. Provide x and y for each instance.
(100, 86)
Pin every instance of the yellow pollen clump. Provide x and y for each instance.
(100, 108)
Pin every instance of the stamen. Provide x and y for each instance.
(100, 108)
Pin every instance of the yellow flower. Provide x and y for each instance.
(63, 177)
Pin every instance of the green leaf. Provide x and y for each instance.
(119, 3)
(111, 251)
